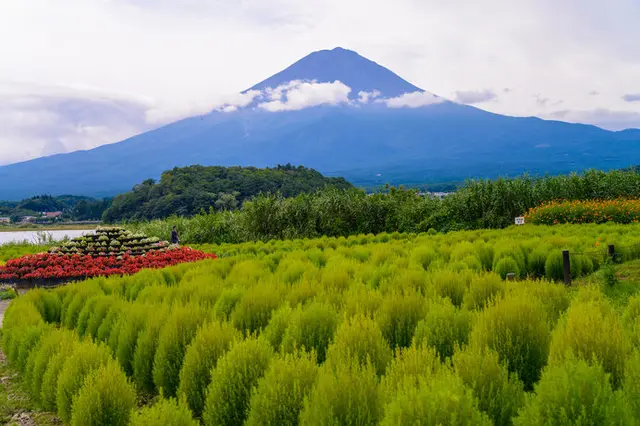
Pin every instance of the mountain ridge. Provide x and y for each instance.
(409, 137)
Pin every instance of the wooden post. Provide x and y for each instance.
(511, 276)
(612, 252)
(566, 263)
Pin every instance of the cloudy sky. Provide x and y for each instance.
(75, 74)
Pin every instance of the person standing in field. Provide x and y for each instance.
(175, 238)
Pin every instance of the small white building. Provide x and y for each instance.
(5, 220)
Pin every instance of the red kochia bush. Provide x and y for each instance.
(68, 267)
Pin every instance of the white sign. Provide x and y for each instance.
(520, 220)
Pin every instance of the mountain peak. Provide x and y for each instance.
(346, 66)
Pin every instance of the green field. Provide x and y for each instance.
(387, 329)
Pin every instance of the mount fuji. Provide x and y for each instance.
(343, 115)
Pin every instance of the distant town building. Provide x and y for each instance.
(52, 215)
(27, 219)
(5, 220)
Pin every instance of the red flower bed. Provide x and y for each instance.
(70, 267)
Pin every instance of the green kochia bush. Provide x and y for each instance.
(232, 380)
(442, 399)
(166, 412)
(211, 342)
(176, 334)
(575, 393)
(500, 394)
(632, 383)
(106, 398)
(346, 393)
(311, 328)
(359, 338)
(444, 328)
(505, 266)
(592, 331)
(516, 327)
(553, 267)
(49, 383)
(280, 394)
(275, 330)
(398, 316)
(146, 347)
(482, 290)
(407, 368)
(86, 357)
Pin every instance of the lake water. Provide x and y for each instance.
(32, 236)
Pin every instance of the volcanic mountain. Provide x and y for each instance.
(341, 114)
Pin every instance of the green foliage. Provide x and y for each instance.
(279, 396)
(253, 312)
(86, 358)
(311, 328)
(232, 380)
(500, 394)
(444, 328)
(451, 284)
(398, 317)
(505, 266)
(344, 394)
(166, 412)
(211, 342)
(575, 393)
(359, 339)
(407, 368)
(591, 331)
(516, 327)
(442, 399)
(145, 351)
(554, 266)
(180, 328)
(106, 398)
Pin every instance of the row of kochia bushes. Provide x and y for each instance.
(332, 212)
(354, 335)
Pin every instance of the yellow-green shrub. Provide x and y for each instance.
(166, 412)
(275, 330)
(279, 396)
(359, 338)
(516, 327)
(106, 398)
(232, 380)
(553, 267)
(146, 347)
(87, 356)
(482, 290)
(408, 366)
(505, 266)
(574, 393)
(591, 331)
(346, 393)
(453, 285)
(180, 328)
(500, 394)
(253, 311)
(211, 342)
(311, 328)
(444, 327)
(398, 316)
(442, 399)
(631, 384)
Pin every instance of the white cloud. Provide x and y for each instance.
(632, 97)
(298, 95)
(365, 97)
(472, 97)
(412, 100)
(601, 117)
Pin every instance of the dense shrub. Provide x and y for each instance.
(444, 327)
(516, 327)
(500, 394)
(505, 266)
(451, 284)
(232, 380)
(253, 311)
(180, 328)
(166, 412)
(86, 358)
(346, 393)
(275, 330)
(311, 328)
(49, 384)
(591, 331)
(631, 385)
(398, 316)
(586, 211)
(211, 342)
(482, 290)
(279, 396)
(145, 351)
(442, 399)
(106, 398)
(407, 368)
(359, 338)
(572, 393)
(553, 267)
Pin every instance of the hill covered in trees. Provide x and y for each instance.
(72, 207)
(189, 190)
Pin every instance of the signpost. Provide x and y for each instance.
(520, 220)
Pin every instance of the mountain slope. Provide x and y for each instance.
(417, 139)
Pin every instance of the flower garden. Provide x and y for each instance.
(591, 211)
(367, 330)
(109, 251)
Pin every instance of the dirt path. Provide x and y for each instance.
(3, 307)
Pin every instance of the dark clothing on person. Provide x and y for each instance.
(174, 237)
